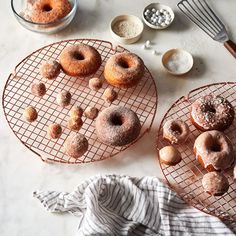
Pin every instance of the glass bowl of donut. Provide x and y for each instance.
(44, 16)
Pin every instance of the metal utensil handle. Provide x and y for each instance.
(231, 47)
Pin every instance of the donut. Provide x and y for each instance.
(38, 90)
(214, 151)
(212, 112)
(215, 183)
(76, 112)
(63, 98)
(46, 11)
(54, 131)
(175, 131)
(117, 126)
(95, 84)
(124, 70)
(75, 123)
(109, 95)
(80, 60)
(169, 155)
(91, 112)
(50, 69)
(76, 145)
(30, 114)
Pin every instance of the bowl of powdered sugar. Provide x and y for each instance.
(126, 29)
(177, 61)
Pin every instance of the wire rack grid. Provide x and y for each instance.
(142, 99)
(185, 178)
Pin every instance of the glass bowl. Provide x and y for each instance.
(20, 8)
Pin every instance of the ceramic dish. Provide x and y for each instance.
(126, 29)
(20, 6)
(158, 7)
(177, 61)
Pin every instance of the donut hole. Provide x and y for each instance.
(124, 64)
(117, 120)
(78, 56)
(47, 7)
(216, 147)
(176, 129)
(211, 109)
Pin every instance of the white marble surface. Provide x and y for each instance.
(21, 172)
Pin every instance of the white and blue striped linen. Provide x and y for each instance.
(122, 205)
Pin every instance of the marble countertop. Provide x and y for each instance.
(21, 172)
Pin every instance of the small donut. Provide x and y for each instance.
(38, 90)
(175, 131)
(124, 70)
(169, 155)
(91, 112)
(214, 151)
(63, 98)
(54, 131)
(45, 11)
(117, 126)
(50, 69)
(109, 95)
(75, 123)
(76, 145)
(215, 183)
(30, 114)
(212, 112)
(76, 112)
(80, 60)
(95, 84)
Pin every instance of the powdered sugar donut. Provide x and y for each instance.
(117, 126)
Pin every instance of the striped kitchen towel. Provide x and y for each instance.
(121, 205)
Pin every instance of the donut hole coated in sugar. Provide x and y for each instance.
(47, 8)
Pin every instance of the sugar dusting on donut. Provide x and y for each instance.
(124, 70)
(50, 69)
(212, 112)
(215, 149)
(117, 126)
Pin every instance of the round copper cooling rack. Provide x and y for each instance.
(142, 99)
(185, 178)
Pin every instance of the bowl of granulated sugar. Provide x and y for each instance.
(177, 61)
(126, 29)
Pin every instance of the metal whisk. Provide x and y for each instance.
(203, 16)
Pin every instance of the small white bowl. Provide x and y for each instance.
(177, 61)
(158, 6)
(128, 21)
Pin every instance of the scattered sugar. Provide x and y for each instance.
(126, 28)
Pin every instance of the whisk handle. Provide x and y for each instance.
(231, 46)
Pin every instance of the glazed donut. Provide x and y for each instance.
(214, 151)
(215, 183)
(45, 11)
(80, 60)
(124, 70)
(169, 155)
(175, 131)
(212, 113)
(117, 126)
